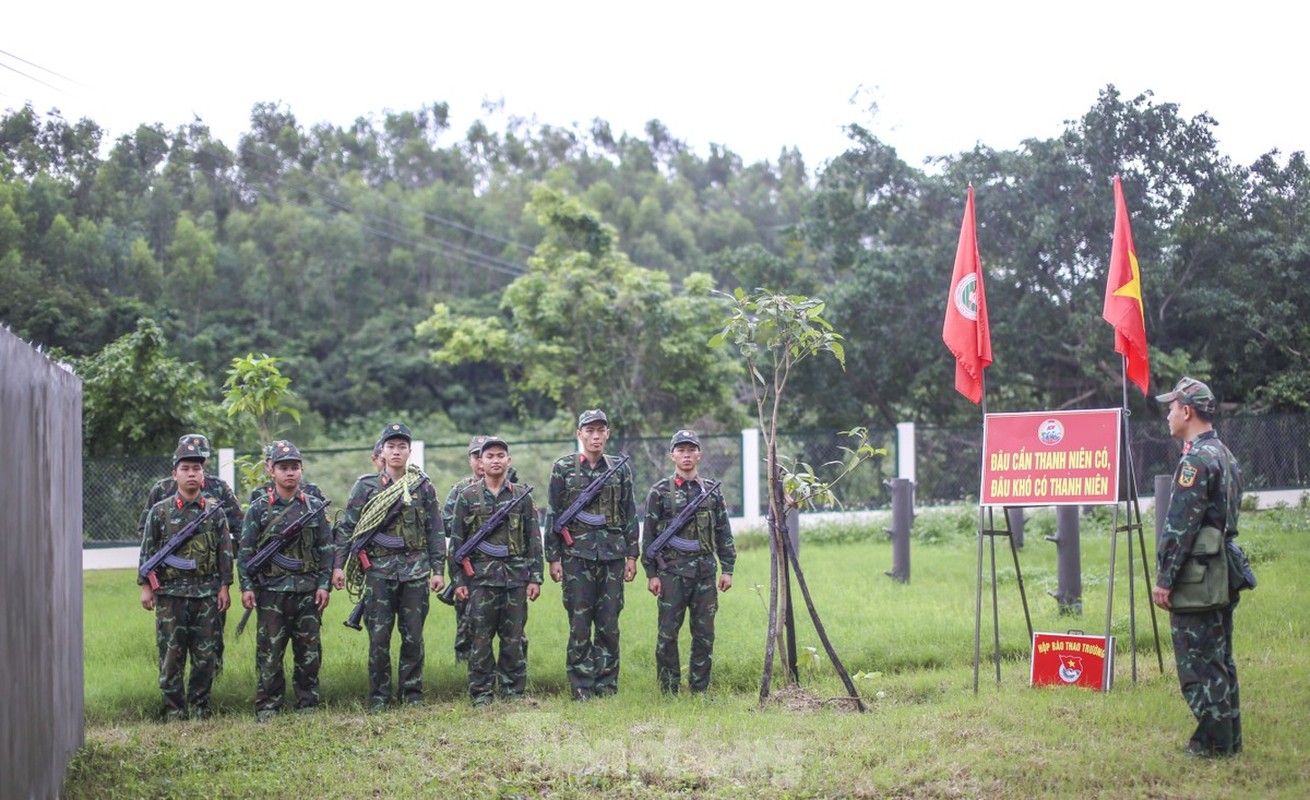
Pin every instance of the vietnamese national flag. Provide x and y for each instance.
(966, 331)
(1123, 298)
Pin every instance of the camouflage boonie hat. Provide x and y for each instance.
(1191, 392)
(192, 447)
(592, 415)
(198, 439)
(475, 444)
(488, 441)
(396, 429)
(282, 450)
(684, 437)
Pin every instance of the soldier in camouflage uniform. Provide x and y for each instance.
(1206, 492)
(406, 559)
(463, 635)
(601, 559)
(685, 584)
(507, 571)
(290, 591)
(192, 592)
(214, 487)
(308, 488)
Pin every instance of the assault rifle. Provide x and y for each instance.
(575, 509)
(475, 542)
(669, 536)
(357, 550)
(165, 554)
(272, 551)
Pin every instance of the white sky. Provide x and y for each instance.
(756, 77)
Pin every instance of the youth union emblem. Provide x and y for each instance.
(966, 297)
(1050, 432)
(1071, 668)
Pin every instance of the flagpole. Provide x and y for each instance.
(977, 606)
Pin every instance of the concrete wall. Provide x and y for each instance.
(40, 571)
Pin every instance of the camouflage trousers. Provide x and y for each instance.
(463, 631)
(283, 617)
(389, 603)
(1203, 652)
(186, 626)
(687, 586)
(497, 612)
(593, 598)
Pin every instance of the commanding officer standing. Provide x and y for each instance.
(601, 558)
(685, 584)
(405, 559)
(506, 575)
(463, 636)
(291, 590)
(1207, 494)
(192, 592)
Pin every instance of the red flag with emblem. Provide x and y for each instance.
(1123, 298)
(965, 331)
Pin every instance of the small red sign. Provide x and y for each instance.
(1072, 659)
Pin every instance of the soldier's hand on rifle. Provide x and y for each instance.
(224, 599)
(248, 600)
(629, 569)
(653, 585)
(725, 581)
(338, 579)
(556, 571)
(461, 593)
(147, 597)
(321, 598)
(534, 591)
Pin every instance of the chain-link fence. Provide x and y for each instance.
(1273, 451)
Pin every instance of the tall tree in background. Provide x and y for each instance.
(586, 328)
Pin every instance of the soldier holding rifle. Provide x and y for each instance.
(686, 528)
(186, 568)
(593, 548)
(285, 561)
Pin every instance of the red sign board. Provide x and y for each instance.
(1072, 659)
(1051, 458)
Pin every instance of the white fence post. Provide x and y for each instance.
(227, 466)
(750, 475)
(417, 453)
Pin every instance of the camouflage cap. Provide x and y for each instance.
(377, 448)
(198, 439)
(1191, 392)
(282, 450)
(192, 447)
(684, 437)
(592, 415)
(396, 429)
(488, 441)
(272, 447)
(475, 444)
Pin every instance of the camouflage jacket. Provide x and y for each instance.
(519, 534)
(214, 487)
(419, 525)
(269, 515)
(448, 508)
(709, 527)
(1207, 491)
(613, 534)
(210, 547)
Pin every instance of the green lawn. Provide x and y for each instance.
(926, 733)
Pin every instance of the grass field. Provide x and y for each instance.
(926, 734)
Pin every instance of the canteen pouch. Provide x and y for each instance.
(1202, 582)
(1240, 575)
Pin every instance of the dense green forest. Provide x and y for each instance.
(500, 277)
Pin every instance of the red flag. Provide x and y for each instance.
(966, 331)
(1123, 298)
